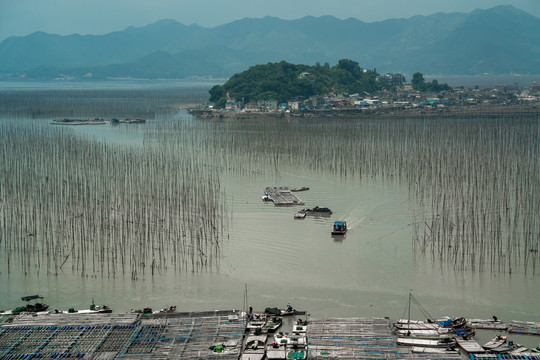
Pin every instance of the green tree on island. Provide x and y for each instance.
(418, 83)
(285, 81)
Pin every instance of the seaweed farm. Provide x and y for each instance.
(169, 212)
(123, 336)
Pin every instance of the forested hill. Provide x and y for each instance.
(284, 81)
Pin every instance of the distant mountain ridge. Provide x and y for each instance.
(500, 40)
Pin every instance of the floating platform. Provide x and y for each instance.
(359, 338)
(524, 327)
(470, 346)
(121, 336)
(282, 195)
(488, 324)
(521, 356)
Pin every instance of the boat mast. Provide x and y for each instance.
(409, 314)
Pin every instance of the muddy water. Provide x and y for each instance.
(367, 272)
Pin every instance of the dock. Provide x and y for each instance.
(282, 195)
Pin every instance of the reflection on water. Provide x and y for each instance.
(388, 179)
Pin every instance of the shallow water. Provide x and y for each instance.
(367, 272)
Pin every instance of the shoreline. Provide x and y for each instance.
(450, 111)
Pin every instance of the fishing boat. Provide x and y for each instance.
(318, 211)
(256, 323)
(255, 348)
(272, 324)
(302, 188)
(339, 228)
(426, 334)
(300, 327)
(416, 326)
(37, 306)
(436, 343)
(168, 310)
(497, 341)
(289, 311)
(300, 215)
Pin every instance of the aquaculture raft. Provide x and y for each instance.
(121, 336)
(282, 195)
(358, 338)
(524, 327)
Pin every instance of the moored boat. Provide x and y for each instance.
(317, 210)
(272, 324)
(441, 343)
(496, 342)
(255, 348)
(425, 334)
(33, 308)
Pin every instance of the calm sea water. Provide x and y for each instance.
(368, 272)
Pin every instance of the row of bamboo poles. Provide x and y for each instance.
(474, 181)
(69, 203)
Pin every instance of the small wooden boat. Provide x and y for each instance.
(36, 307)
(424, 334)
(289, 311)
(168, 310)
(416, 326)
(302, 188)
(255, 348)
(272, 324)
(496, 342)
(441, 343)
(339, 228)
(257, 322)
(318, 211)
(518, 349)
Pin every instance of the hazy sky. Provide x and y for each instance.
(22, 17)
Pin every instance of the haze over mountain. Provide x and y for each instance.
(500, 40)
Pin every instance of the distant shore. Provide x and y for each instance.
(449, 111)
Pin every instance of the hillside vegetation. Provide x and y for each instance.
(284, 81)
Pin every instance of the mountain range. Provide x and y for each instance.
(500, 40)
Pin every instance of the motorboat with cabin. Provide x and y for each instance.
(339, 228)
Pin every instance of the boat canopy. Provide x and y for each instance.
(31, 297)
(341, 223)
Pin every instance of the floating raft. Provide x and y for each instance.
(121, 336)
(521, 356)
(524, 327)
(359, 338)
(470, 346)
(489, 324)
(282, 195)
